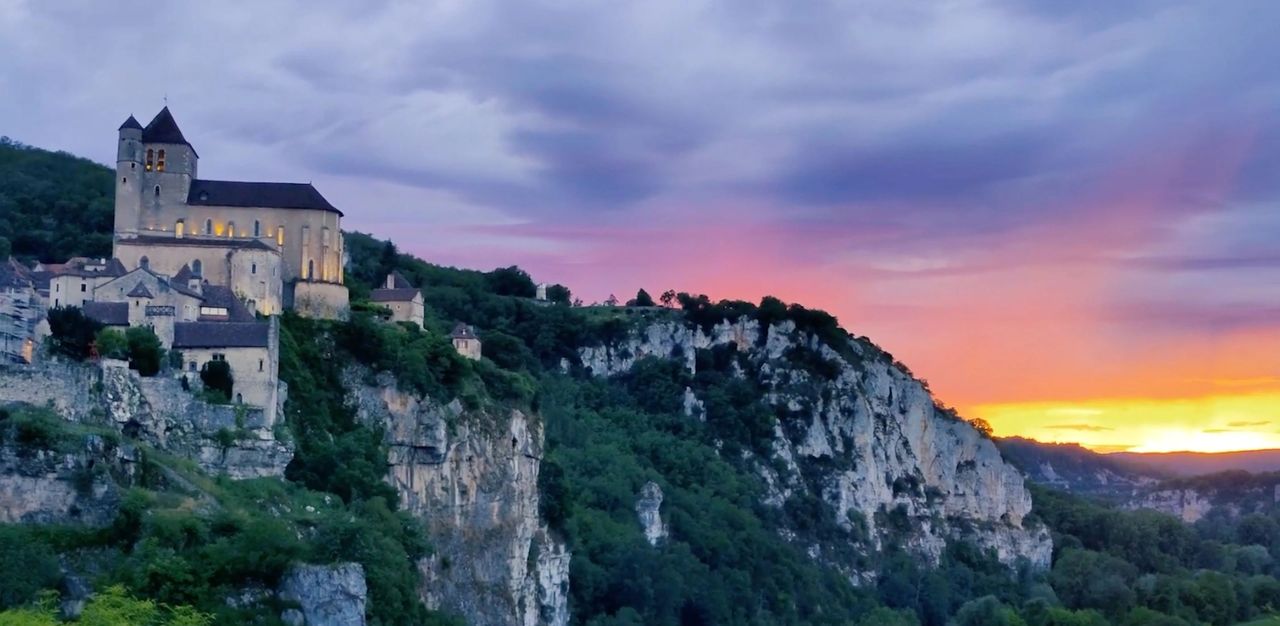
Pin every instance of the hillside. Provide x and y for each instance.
(710, 463)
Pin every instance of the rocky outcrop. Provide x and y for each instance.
(235, 440)
(77, 483)
(472, 477)
(864, 436)
(326, 595)
(649, 510)
(1188, 505)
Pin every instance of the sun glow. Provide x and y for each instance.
(1214, 423)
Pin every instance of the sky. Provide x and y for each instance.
(1064, 216)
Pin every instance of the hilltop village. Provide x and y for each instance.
(207, 265)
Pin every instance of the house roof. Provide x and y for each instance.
(140, 291)
(77, 267)
(393, 295)
(132, 122)
(164, 129)
(218, 296)
(462, 331)
(15, 275)
(267, 195)
(184, 274)
(398, 281)
(220, 334)
(109, 313)
(200, 241)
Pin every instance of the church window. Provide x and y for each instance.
(239, 400)
(231, 229)
(151, 155)
(197, 268)
(260, 365)
(208, 227)
(157, 191)
(160, 162)
(311, 270)
(145, 263)
(279, 235)
(253, 268)
(257, 228)
(180, 228)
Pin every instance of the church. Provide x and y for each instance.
(274, 245)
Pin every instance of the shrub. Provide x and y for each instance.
(145, 351)
(216, 376)
(71, 333)
(111, 344)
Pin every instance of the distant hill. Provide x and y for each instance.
(1077, 469)
(1196, 463)
(53, 205)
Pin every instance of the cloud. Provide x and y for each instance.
(1080, 427)
(1242, 424)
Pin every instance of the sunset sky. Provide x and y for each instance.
(1067, 219)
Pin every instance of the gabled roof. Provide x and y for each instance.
(220, 334)
(398, 281)
(393, 295)
(109, 313)
(15, 275)
(131, 123)
(184, 274)
(140, 291)
(462, 331)
(164, 129)
(266, 195)
(111, 268)
(218, 296)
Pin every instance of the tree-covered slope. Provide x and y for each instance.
(53, 205)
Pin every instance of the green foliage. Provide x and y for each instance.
(26, 566)
(111, 344)
(145, 351)
(53, 205)
(642, 299)
(217, 379)
(71, 332)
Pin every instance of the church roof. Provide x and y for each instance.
(184, 274)
(393, 295)
(140, 291)
(109, 313)
(266, 195)
(218, 296)
(220, 334)
(462, 331)
(132, 123)
(163, 129)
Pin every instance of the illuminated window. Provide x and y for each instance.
(180, 229)
(279, 235)
(208, 227)
(151, 155)
(160, 162)
(231, 229)
(257, 228)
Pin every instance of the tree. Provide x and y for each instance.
(642, 299)
(216, 376)
(71, 332)
(111, 344)
(612, 300)
(559, 294)
(982, 426)
(145, 351)
(987, 611)
(668, 298)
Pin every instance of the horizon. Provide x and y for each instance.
(1065, 221)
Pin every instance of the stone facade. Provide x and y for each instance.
(20, 311)
(466, 342)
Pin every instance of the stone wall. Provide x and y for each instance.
(326, 301)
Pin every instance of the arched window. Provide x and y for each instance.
(208, 227)
(231, 229)
(311, 269)
(124, 180)
(239, 400)
(253, 268)
(180, 228)
(151, 155)
(280, 236)
(144, 263)
(257, 228)
(157, 191)
(197, 268)
(160, 162)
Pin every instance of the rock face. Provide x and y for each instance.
(649, 510)
(472, 476)
(65, 486)
(326, 595)
(235, 440)
(1188, 505)
(862, 435)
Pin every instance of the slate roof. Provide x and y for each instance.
(267, 195)
(113, 268)
(184, 274)
(14, 275)
(393, 295)
(200, 241)
(132, 122)
(462, 331)
(109, 313)
(220, 334)
(398, 281)
(164, 129)
(140, 291)
(222, 297)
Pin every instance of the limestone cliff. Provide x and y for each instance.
(472, 477)
(861, 434)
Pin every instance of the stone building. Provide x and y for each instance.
(401, 298)
(74, 282)
(276, 245)
(20, 311)
(465, 341)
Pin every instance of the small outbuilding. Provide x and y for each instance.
(465, 341)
